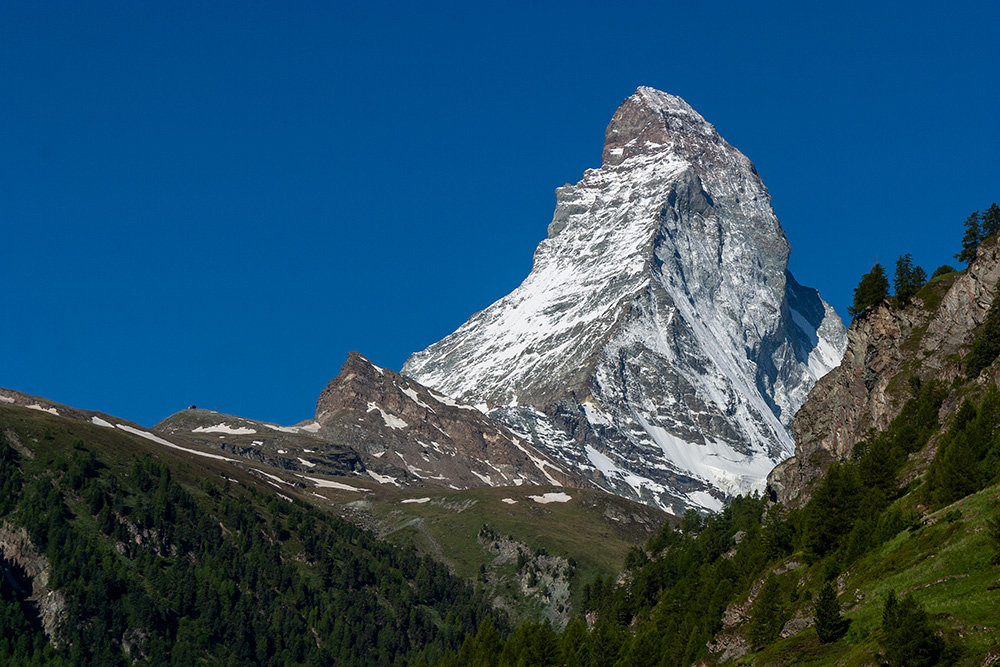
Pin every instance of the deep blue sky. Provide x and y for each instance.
(213, 202)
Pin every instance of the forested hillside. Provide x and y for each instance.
(114, 557)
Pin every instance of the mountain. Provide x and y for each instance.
(659, 343)
(372, 421)
(436, 439)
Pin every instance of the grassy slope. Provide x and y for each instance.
(946, 565)
(593, 529)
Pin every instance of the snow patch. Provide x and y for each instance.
(382, 479)
(509, 501)
(485, 478)
(309, 464)
(392, 421)
(36, 406)
(100, 422)
(329, 484)
(167, 443)
(416, 399)
(283, 429)
(450, 402)
(546, 498)
(418, 501)
(225, 428)
(274, 477)
(595, 415)
(706, 500)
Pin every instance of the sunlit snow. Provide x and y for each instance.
(225, 428)
(167, 443)
(392, 421)
(545, 498)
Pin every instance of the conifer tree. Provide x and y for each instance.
(942, 270)
(994, 532)
(908, 279)
(830, 625)
(908, 636)
(970, 242)
(874, 287)
(990, 224)
(766, 617)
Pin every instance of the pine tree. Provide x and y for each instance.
(971, 240)
(908, 279)
(994, 532)
(990, 224)
(874, 287)
(830, 625)
(766, 617)
(942, 270)
(908, 637)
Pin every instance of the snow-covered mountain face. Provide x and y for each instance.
(659, 342)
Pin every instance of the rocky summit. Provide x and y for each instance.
(659, 344)
(431, 438)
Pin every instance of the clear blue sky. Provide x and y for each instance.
(213, 202)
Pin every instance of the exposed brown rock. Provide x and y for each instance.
(437, 440)
(886, 346)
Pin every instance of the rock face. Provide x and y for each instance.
(430, 437)
(659, 343)
(886, 347)
(375, 423)
(18, 552)
(296, 448)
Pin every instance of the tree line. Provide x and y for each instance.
(909, 278)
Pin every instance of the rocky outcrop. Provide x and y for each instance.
(16, 548)
(542, 578)
(432, 438)
(850, 401)
(296, 448)
(886, 347)
(659, 343)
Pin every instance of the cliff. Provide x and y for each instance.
(887, 346)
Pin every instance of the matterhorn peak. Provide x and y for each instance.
(659, 343)
(651, 121)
